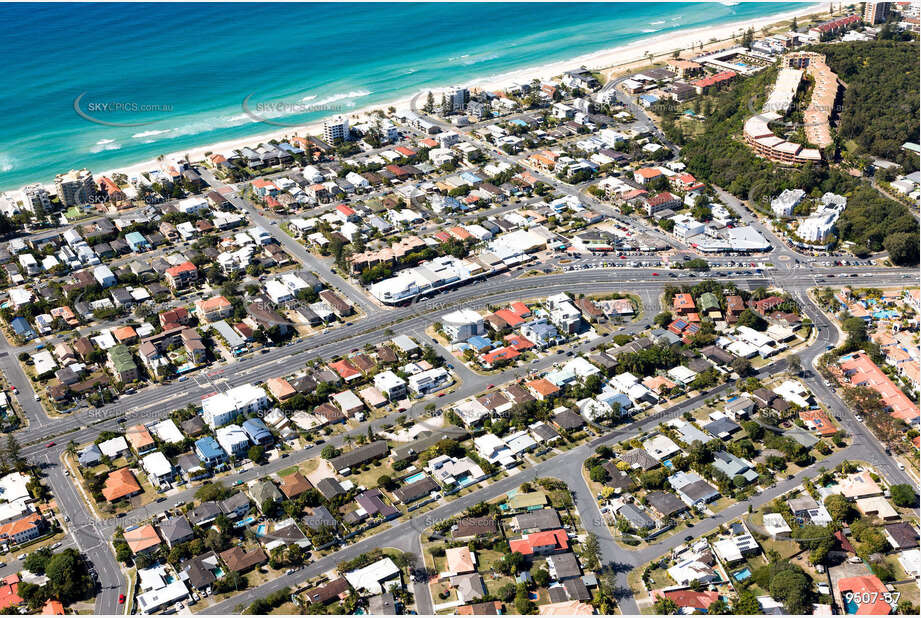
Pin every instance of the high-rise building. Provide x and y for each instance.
(75, 187)
(336, 129)
(456, 99)
(875, 12)
(35, 197)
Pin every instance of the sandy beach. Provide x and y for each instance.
(607, 61)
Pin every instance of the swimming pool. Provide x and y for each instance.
(418, 476)
(667, 463)
(742, 575)
(261, 529)
(850, 606)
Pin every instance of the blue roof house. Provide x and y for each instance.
(257, 432)
(22, 328)
(210, 452)
(137, 242)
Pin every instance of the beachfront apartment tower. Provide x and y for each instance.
(75, 187)
(875, 12)
(336, 129)
(456, 99)
(36, 198)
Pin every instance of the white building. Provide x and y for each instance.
(336, 129)
(233, 440)
(375, 578)
(818, 227)
(462, 324)
(390, 385)
(222, 408)
(158, 468)
(428, 381)
(783, 204)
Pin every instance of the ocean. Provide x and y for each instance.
(108, 85)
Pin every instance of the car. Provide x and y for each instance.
(67, 518)
(50, 444)
(21, 556)
(655, 274)
(901, 466)
(859, 418)
(15, 390)
(56, 545)
(689, 538)
(491, 386)
(441, 394)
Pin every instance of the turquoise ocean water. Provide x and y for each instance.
(180, 72)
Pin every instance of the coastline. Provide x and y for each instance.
(606, 60)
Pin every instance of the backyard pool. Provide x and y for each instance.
(244, 522)
(850, 606)
(261, 529)
(742, 575)
(418, 476)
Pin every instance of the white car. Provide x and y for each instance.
(859, 418)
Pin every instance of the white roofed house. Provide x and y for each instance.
(159, 470)
(233, 440)
(661, 447)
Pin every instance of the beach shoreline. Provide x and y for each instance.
(606, 60)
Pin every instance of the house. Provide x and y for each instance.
(293, 485)
(692, 489)
(901, 535)
(176, 530)
(210, 452)
(375, 578)
(475, 527)
(535, 521)
(459, 560)
(410, 492)
(143, 539)
(360, 455)
(263, 491)
(257, 432)
(120, 484)
(239, 560)
(664, 504)
(541, 543)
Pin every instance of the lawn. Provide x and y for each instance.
(368, 478)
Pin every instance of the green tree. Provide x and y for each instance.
(839, 508)
(665, 607)
(37, 561)
(792, 588)
(903, 495)
(256, 453)
(68, 576)
(719, 608)
(540, 576)
(329, 452)
(746, 604)
(591, 552)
